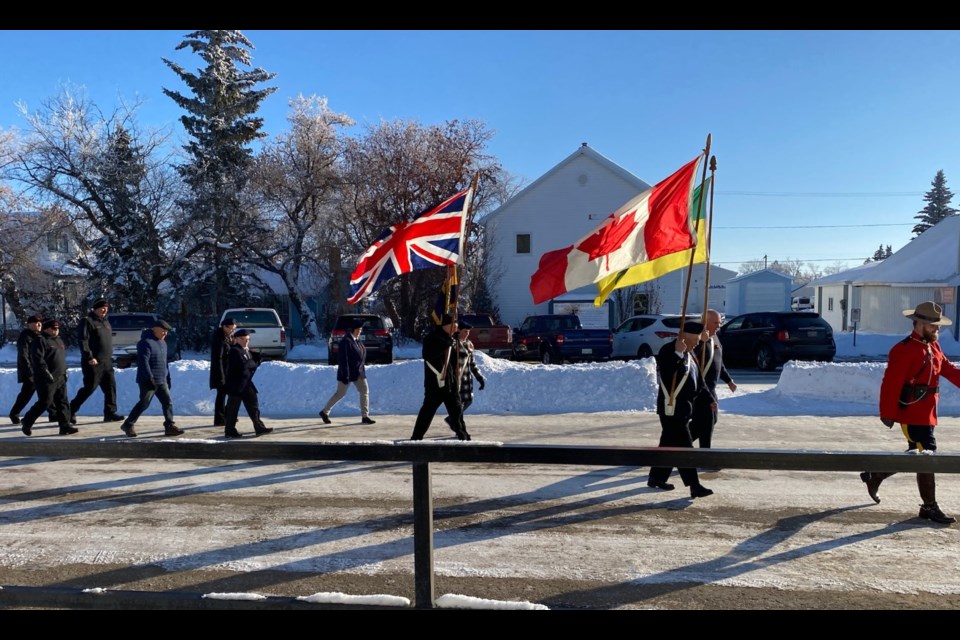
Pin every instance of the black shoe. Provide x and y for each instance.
(873, 485)
(450, 424)
(113, 418)
(68, 430)
(129, 430)
(325, 418)
(700, 491)
(219, 423)
(27, 429)
(368, 420)
(933, 512)
(14, 418)
(262, 431)
(232, 433)
(172, 430)
(666, 486)
(464, 435)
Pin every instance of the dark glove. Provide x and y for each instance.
(256, 355)
(169, 385)
(482, 383)
(887, 422)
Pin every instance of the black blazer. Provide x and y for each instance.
(240, 369)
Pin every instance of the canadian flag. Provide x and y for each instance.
(651, 225)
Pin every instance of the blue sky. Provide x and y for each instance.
(817, 134)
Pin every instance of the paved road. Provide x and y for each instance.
(565, 536)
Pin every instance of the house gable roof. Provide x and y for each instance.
(582, 151)
(754, 274)
(933, 257)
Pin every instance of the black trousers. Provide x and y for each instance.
(219, 404)
(432, 399)
(675, 432)
(99, 375)
(53, 396)
(703, 422)
(251, 403)
(26, 392)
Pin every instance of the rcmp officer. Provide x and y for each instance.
(679, 380)
(909, 394)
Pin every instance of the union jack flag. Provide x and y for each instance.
(432, 239)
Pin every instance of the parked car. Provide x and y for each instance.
(126, 329)
(491, 337)
(269, 337)
(553, 339)
(801, 303)
(642, 336)
(376, 337)
(770, 338)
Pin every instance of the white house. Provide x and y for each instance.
(764, 290)
(830, 295)
(926, 268)
(556, 210)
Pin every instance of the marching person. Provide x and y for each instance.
(29, 335)
(220, 343)
(440, 380)
(678, 379)
(96, 362)
(351, 369)
(153, 378)
(241, 365)
(909, 394)
(48, 357)
(468, 366)
(709, 354)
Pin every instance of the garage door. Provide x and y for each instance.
(763, 296)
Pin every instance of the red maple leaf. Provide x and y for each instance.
(609, 237)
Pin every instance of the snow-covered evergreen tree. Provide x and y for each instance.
(938, 204)
(222, 123)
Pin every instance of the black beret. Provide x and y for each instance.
(34, 318)
(100, 302)
(50, 324)
(227, 322)
(692, 327)
(463, 324)
(357, 323)
(239, 333)
(163, 324)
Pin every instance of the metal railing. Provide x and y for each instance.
(421, 456)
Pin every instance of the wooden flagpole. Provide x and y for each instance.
(463, 241)
(686, 289)
(708, 236)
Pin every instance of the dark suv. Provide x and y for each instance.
(375, 336)
(770, 338)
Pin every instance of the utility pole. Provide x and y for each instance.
(764, 261)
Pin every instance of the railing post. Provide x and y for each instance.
(422, 536)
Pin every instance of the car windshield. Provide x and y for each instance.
(123, 322)
(369, 322)
(254, 318)
(797, 323)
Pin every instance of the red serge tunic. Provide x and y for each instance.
(914, 361)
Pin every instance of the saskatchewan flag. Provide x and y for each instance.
(646, 271)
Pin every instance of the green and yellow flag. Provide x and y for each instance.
(665, 264)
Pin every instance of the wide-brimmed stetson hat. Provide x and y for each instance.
(929, 312)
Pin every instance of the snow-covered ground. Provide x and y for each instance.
(299, 389)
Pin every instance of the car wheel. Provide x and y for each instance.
(332, 361)
(547, 357)
(765, 359)
(388, 359)
(644, 351)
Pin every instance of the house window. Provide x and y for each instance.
(57, 242)
(829, 304)
(523, 243)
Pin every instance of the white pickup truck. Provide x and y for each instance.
(269, 337)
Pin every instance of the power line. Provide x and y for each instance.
(826, 226)
(802, 194)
